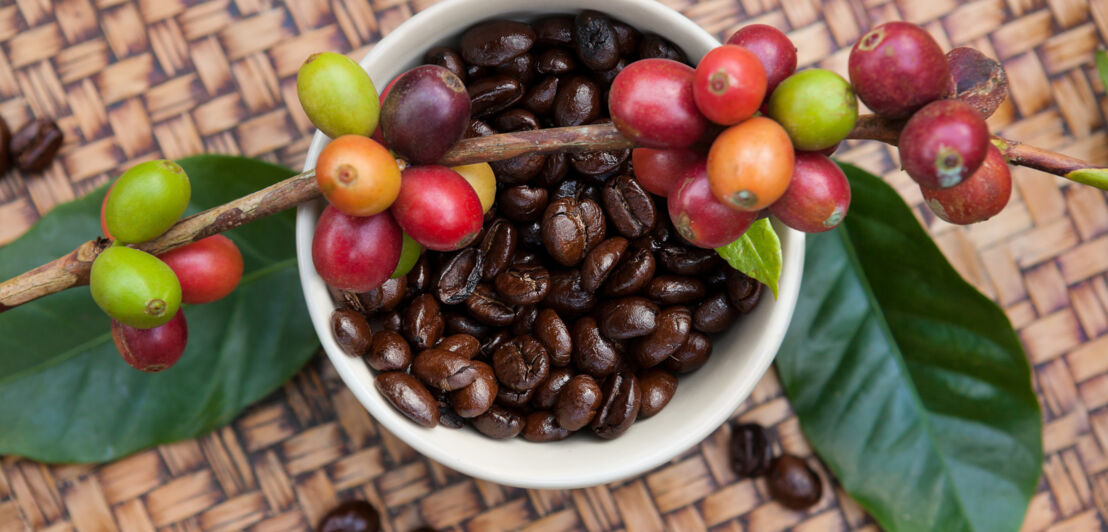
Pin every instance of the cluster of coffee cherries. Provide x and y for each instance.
(142, 293)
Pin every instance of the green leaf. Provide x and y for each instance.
(1102, 67)
(65, 393)
(909, 383)
(757, 253)
(1094, 177)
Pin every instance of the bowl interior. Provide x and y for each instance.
(704, 399)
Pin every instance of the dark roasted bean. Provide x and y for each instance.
(525, 320)
(478, 397)
(443, 369)
(628, 317)
(521, 67)
(494, 42)
(351, 332)
(461, 324)
(714, 315)
(691, 356)
(522, 203)
(514, 398)
(478, 128)
(33, 147)
(592, 352)
(448, 59)
(578, 402)
(570, 187)
(499, 423)
(556, 61)
(519, 169)
(460, 344)
(596, 40)
(546, 393)
(493, 94)
(557, 164)
(653, 46)
(498, 247)
(606, 77)
(627, 38)
(566, 295)
(492, 343)
(577, 103)
(540, 97)
(486, 307)
(570, 228)
(386, 297)
(523, 285)
(406, 394)
(684, 260)
(521, 364)
(420, 277)
(742, 291)
(554, 335)
(751, 452)
(676, 289)
(674, 324)
(622, 400)
(476, 72)
(516, 120)
(542, 427)
(459, 276)
(554, 31)
(600, 164)
(793, 483)
(391, 321)
(601, 262)
(632, 274)
(530, 235)
(448, 417)
(351, 516)
(630, 208)
(423, 324)
(658, 387)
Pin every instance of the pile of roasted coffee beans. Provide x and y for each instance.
(32, 148)
(790, 480)
(579, 303)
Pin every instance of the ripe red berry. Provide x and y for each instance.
(729, 84)
(897, 68)
(208, 269)
(438, 208)
(979, 197)
(152, 350)
(818, 196)
(943, 143)
(651, 102)
(772, 47)
(356, 253)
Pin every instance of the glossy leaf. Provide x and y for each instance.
(910, 384)
(757, 254)
(66, 395)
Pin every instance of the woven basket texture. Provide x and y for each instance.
(132, 80)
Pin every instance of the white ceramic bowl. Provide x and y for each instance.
(704, 399)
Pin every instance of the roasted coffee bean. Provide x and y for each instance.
(566, 296)
(479, 396)
(628, 317)
(530, 235)
(497, 248)
(632, 274)
(462, 324)
(596, 40)
(606, 77)
(423, 324)
(448, 59)
(520, 169)
(523, 285)
(557, 164)
(658, 387)
(526, 258)
(459, 276)
(33, 147)
(674, 325)
(600, 164)
(546, 393)
(448, 417)
(351, 516)
(716, 279)
(406, 394)
(476, 72)
(525, 320)
(492, 343)
(627, 38)
(5, 141)
(351, 332)
(516, 120)
(444, 370)
(570, 228)
(391, 321)
(675, 289)
(540, 97)
(478, 128)
(554, 335)
(514, 398)
(499, 423)
(521, 364)
(487, 307)
(578, 402)
(389, 351)
(556, 61)
(629, 206)
(622, 400)
(460, 344)
(691, 356)
(684, 260)
(386, 297)
(541, 426)
(493, 94)
(793, 483)
(742, 291)
(592, 352)
(577, 102)
(601, 262)
(653, 46)
(714, 315)
(522, 203)
(420, 277)
(554, 31)
(494, 42)
(751, 452)
(521, 67)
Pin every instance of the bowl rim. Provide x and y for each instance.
(315, 290)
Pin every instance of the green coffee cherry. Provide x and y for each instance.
(816, 107)
(134, 287)
(146, 201)
(409, 254)
(337, 95)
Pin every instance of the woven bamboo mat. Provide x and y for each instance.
(130, 80)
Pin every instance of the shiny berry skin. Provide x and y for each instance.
(134, 287)
(356, 253)
(337, 95)
(729, 84)
(651, 103)
(357, 175)
(438, 208)
(104, 216)
(152, 350)
(943, 143)
(377, 134)
(207, 269)
(817, 107)
(750, 164)
(425, 113)
(481, 177)
(818, 196)
(699, 217)
(410, 250)
(776, 52)
(896, 68)
(977, 198)
(146, 201)
(659, 170)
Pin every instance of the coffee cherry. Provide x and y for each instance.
(699, 217)
(356, 253)
(818, 196)
(337, 95)
(772, 47)
(976, 79)
(977, 198)
(152, 350)
(438, 208)
(425, 113)
(943, 143)
(208, 269)
(897, 68)
(410, 250)
(481, 177)
(652, 104)
(729, 84)
(146, 201)
(357, 175)
(817, 107)
(134, 287)
(659, 170)
(749, 165)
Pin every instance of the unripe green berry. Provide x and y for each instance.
(816, 107)
(337, 95)
(146, 201)
(134, 287)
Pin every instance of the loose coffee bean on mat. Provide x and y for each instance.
(33, 147)
(751, 452)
